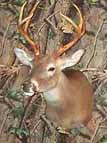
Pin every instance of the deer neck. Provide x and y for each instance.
(55, 95)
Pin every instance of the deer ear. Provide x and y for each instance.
(24, 57)
(70, 61)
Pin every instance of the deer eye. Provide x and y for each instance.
(51, 69)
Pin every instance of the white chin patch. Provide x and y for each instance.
(28, 93)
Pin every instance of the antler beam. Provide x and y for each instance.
(80, 29)
(24, 24)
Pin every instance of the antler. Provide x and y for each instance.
(80, 29)
(24, 24)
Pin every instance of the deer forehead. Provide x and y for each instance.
(44, 59)
(44, 63)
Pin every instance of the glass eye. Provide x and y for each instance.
(51, 69)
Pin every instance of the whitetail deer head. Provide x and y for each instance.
(67, 92)
(46, 70)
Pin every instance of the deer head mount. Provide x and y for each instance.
(67, 92)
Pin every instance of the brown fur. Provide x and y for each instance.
(76, 100)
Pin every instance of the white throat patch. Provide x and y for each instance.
(52, 97)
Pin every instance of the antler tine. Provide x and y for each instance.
(31, 14)
(24, 24)
(80, 29)
(81, 18)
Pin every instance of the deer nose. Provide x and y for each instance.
(35, 83)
